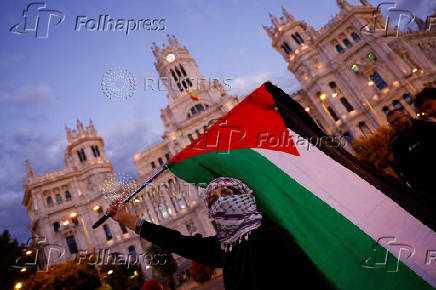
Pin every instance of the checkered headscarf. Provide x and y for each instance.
(235, 216)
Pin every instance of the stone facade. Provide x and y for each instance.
(64, 204)
(352, 71)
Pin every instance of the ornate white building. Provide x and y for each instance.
(64, 204)
(352, 71)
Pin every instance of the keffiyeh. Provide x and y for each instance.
(236, 215)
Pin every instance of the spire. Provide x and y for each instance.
(268, 31)
(177, 44)
(274, 20)
(170, 40)
(68, 132)
(343, 4)
(91, 128)
(365, 3)
(80, 127)
(29, 170)
(287, 14)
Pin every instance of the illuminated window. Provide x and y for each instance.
(332, 113)
(378, 80)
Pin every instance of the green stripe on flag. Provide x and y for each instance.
(333, 243)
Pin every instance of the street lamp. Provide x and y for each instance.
(28, 252)
(110, 272)
(19, 285)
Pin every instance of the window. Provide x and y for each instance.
(56, 226)
(72, 246)
(339, 48)
(332, 85)
(183, 70)
(82, 156)
(347, 42)
(197, 109)
(286, 48)
(174, 204)
(408, 99)
(123, 229)
(174, 75)
(67, 195)
(108, 232)
(297, 38)
(75, 221)
(332, 113)
(146, 216)
(58, 198)
(95, 151)
(132, 251)
(346, 104)
(379, 82)
(153, 165)
(397, 104)
(163, 210)
(49, 201)
(190, 137)
(168, 157)
(349, 137)
(355, 36)
(180, 200)
(386, 110)
(364, 129)
(160, 161)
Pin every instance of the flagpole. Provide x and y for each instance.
(131, 195)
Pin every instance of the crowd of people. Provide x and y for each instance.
(414, 142)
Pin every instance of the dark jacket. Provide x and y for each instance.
(270, 259)
(415, 155)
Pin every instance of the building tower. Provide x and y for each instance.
(351, 71)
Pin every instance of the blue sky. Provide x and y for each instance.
(48, 83)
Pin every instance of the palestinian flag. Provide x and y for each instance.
(359, 229)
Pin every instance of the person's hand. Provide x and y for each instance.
(118, 212)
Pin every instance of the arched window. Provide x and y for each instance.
(349, 137)
(408, 99)
(189, 82)
(183, 70)
(95, 150)
(184, 84)
(123, 229)
(286, 48)
(49, 201)
(132, 251)
(163, 210)
(197, 132)
(386, 110)
(56, 226)
(174, 76)
(355, 36)
(180, 87)
(178, 72)
(347, 42)
(107, 232)
(67, 195)
(332, 85)
(72, 245)
(174, 204)
(339, 48)
(298, 36)
(378, 80)
(364, 129)
(346, 104)
(153, 165)
(332, 113)
(160, 161)
(397, 105)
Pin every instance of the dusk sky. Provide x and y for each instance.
(48, 83)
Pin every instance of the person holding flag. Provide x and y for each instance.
(253, 251)
(285, 209)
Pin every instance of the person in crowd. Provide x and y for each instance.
(425, 102)
(413, 148)
(254, 252)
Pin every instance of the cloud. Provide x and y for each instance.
(45, 154)
(123, 140)
(29, 96)
(242, 86)
(10, 59)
